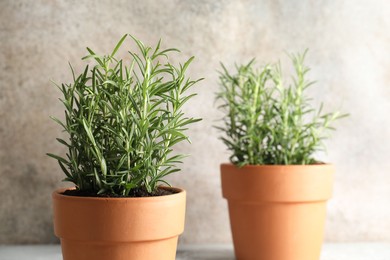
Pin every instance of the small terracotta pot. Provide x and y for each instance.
(119, 228)
(277, 212)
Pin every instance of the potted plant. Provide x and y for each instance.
(276, 190)
(122, 119)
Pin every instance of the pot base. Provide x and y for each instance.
(277, 231)
(150, 250)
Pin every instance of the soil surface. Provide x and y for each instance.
(134, 193)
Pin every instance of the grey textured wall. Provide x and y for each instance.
(349, 55)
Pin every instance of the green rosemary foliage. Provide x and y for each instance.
(269, 122)
(123, 120)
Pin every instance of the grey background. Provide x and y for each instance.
(349, 56)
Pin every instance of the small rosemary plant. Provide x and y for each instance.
(123, 120)
(270, 122)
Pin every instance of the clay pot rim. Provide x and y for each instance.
(179, 192)
(320, 164)
(277, 183)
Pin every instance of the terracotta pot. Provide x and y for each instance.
(119, 228)
(277, 212)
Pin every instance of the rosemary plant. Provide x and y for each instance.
(123, 120)
(268, 121)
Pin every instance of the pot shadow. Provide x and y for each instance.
(205, 254)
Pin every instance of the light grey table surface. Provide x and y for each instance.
(342, 251)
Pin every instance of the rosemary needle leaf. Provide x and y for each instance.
(269, 121)
(123, 120)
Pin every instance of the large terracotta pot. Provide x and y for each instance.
(277, 212)
(119, 228)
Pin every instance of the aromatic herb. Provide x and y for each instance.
(268, 121)
(123, 120)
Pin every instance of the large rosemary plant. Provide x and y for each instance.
(123, 119)
(269, 121)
